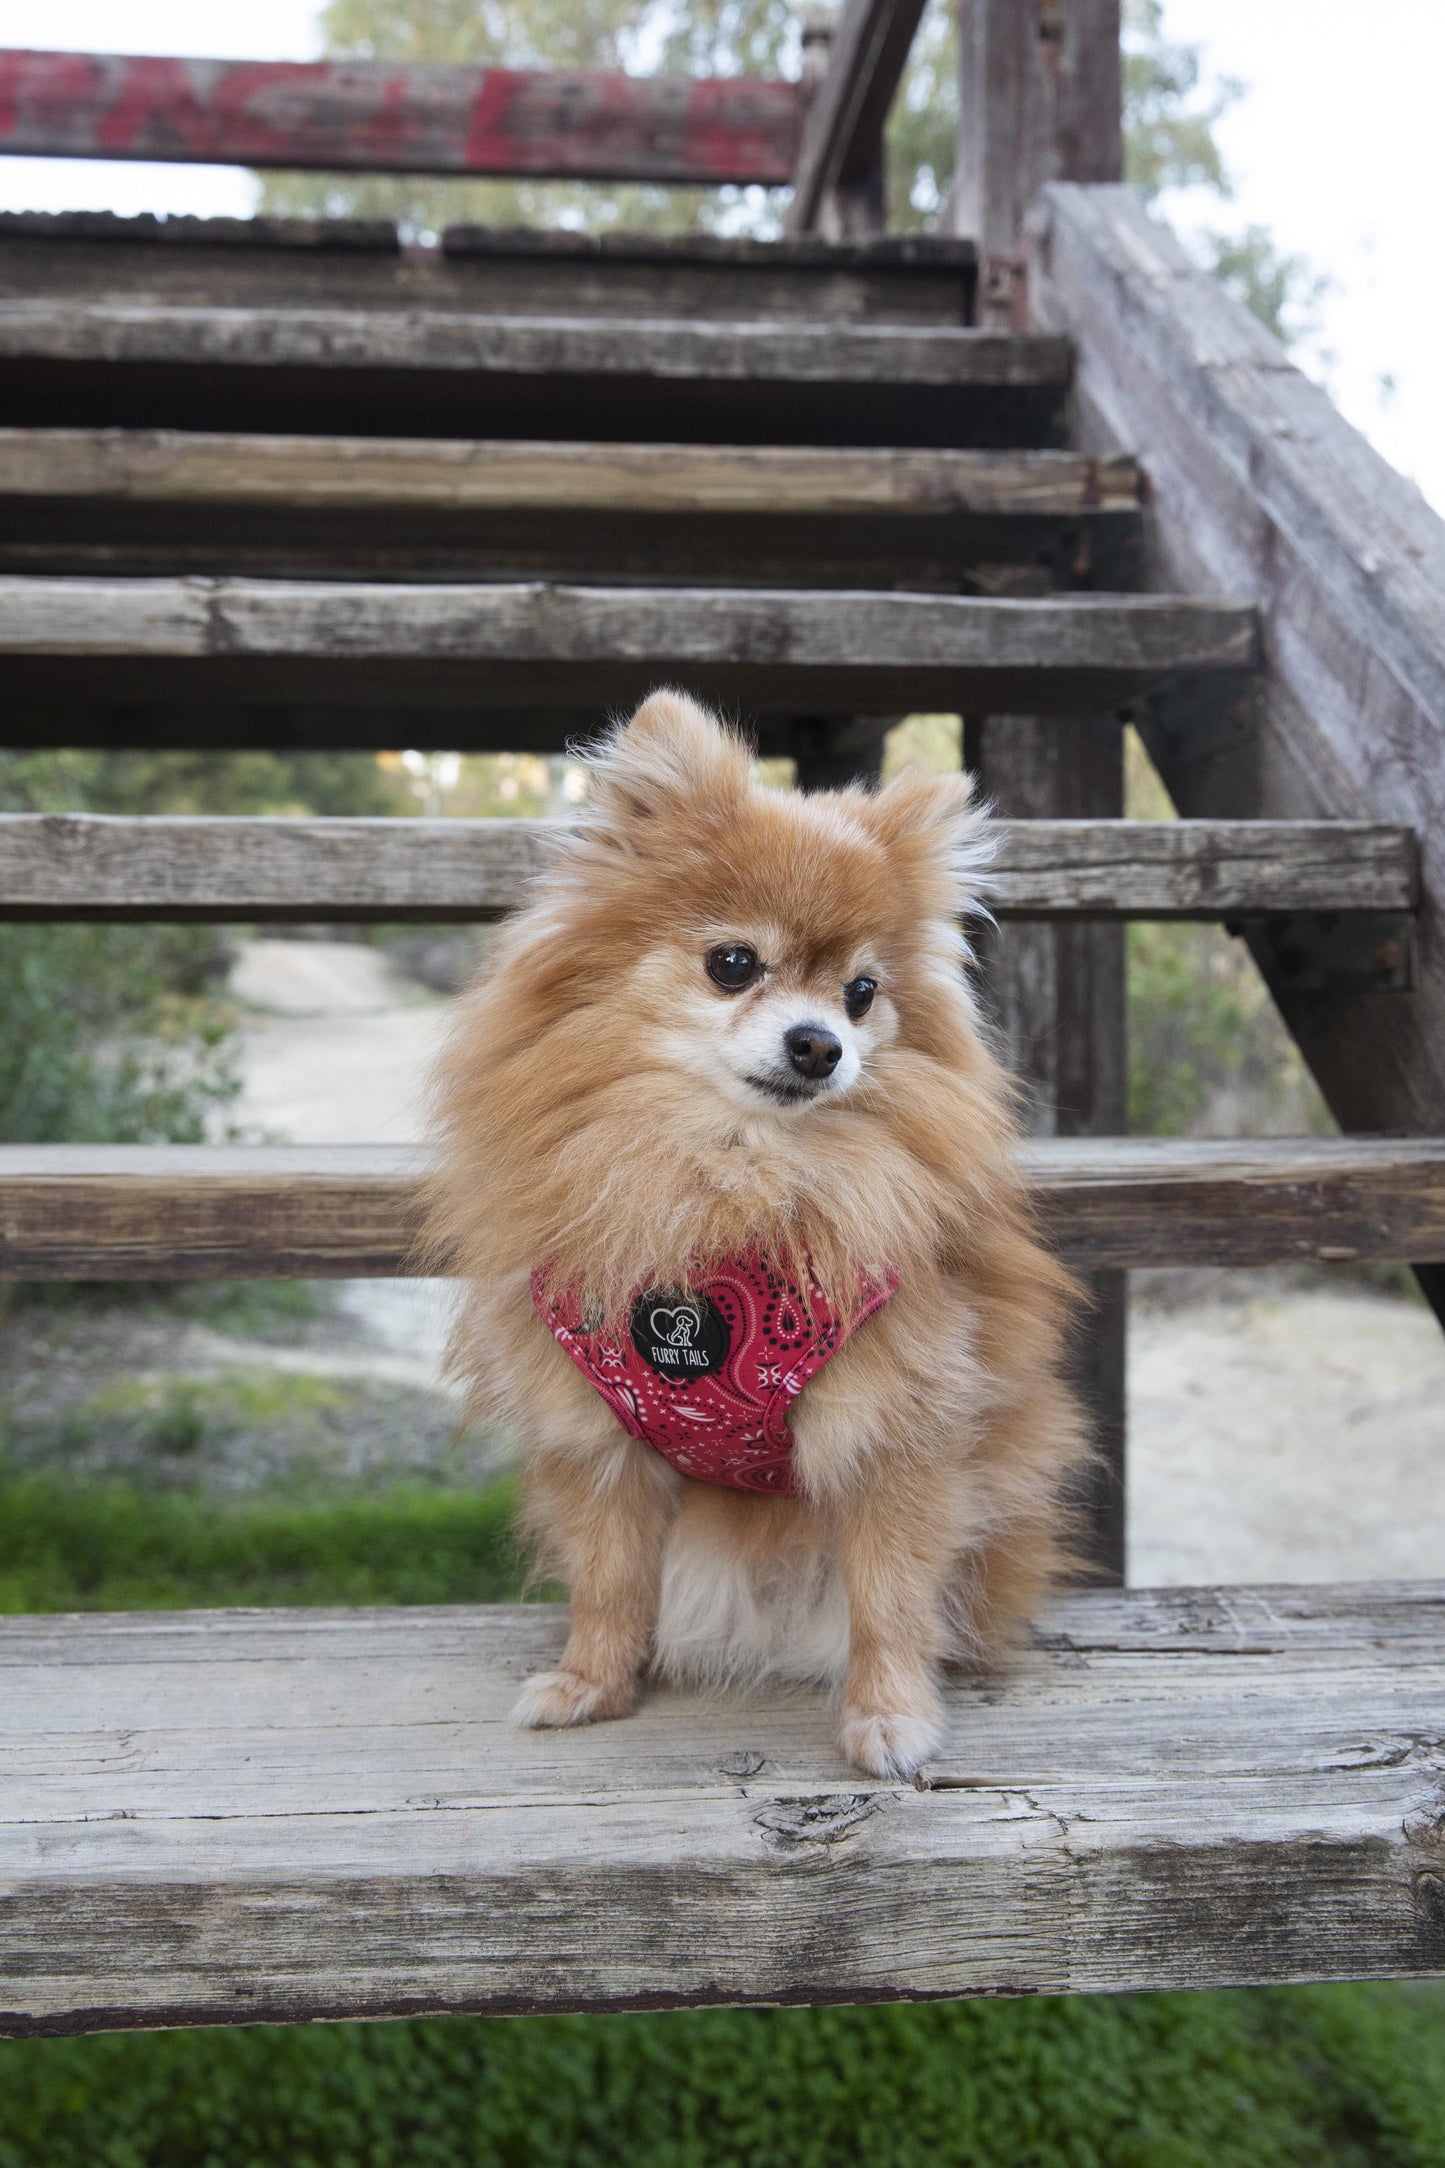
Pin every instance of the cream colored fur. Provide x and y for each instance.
(597, 1123)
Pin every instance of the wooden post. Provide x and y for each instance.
(1057, 994)
(1040, 99)
(852, 61)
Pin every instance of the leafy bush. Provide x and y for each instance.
(1293, 2079)
(110, 1036)
(1205, 1038)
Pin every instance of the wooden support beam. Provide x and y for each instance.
(89, 865)
(1057, 992)
(411, 646)
(213, 1818)
(200, 1212)
(290, 473)
(838, 178)
(1259, 486)
(376, 116)
(1041, 99)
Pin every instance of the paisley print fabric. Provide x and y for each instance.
(707, 1379)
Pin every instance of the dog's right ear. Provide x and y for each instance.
(673, 757)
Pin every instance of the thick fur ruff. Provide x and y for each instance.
(602, 1119)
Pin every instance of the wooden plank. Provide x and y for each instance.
(837, 177)
(415, 646)
(1259, 485)
(1041, 99)
(675, 366)
(140, 1212)
(289, 473)
(212, 1818)
(377, 116)
(455, 339)
(145, 503)
(284, 264)
(71, 865)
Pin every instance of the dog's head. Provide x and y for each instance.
(773, 947)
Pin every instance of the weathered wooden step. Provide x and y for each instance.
(179, 1212)
(246, 1816)
(290, 263)
(450, 372)
(467, 648)
(83, 500)
(82, 865)
(347, 474)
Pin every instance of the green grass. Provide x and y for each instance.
(1346, 2076)
(1352, 2077)
(77, 1545)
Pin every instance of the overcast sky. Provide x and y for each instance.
(1333, 147)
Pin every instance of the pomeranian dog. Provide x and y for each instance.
(728, 1166)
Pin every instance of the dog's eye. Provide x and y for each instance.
(858, 997)
(732, 966)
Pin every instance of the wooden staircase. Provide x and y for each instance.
(295, 487)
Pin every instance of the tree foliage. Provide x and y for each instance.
(1171, 112)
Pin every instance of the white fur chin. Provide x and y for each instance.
(889, 1746)
(720, 1624)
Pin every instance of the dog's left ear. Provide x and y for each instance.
(930, 823)
(674, 756)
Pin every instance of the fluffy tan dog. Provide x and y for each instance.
(719, 1088)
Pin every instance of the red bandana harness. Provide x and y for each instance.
(707, 1378)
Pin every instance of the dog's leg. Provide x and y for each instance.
(896, 1548)
(607, 1520)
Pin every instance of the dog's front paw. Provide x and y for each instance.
(555, 1698)
(888, 1742)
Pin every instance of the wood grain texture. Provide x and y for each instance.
(376, 116)
(1259, 486)
(212, 1818)
(1057, 992)
(287, 473)
(284, 264)
(417, 645)
(1040, 99)
(56, 865)
(199, 1212)
(557, 345)
(842, 134)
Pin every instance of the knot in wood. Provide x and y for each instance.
(1429, 1895)
(792, 1825)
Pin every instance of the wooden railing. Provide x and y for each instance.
(561, 123)
(1259, 485)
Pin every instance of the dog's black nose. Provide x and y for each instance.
(813, 1050)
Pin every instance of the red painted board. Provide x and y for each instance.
(568, 123)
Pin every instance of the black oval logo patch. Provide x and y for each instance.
(680, 1336)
